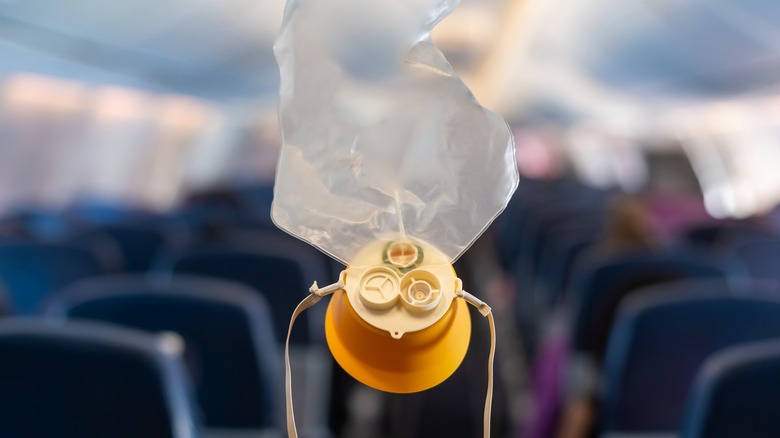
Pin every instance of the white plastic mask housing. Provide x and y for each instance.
(400, 286)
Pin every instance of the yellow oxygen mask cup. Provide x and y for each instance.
(396, 326)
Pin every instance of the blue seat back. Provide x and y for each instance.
(137, 244)
(37, 222)
(760, 258)
(737, 393)
(727, 234)
(101, 245)
(31, 272)
(279, 269)
(558, 260)
(90, 381)
(96, 211)
(661, 338)
(230, 348)
(609, 284)
(5, 301)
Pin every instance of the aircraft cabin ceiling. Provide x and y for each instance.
(695, 47)
(557, 52)
(211, 48)
(571, 59)
(219, 49)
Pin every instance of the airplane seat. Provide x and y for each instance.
(736, 393)
(99, 212)
(36, 223)
(540, 226)
(259, 195)
(215, 216)
(531, 309)
(12, 231)
(138, 244)
(219, 197)
(101, 245)
(32, 272)
(280, 274)
(760, 258)
(565, 241)
(282, 269)
(512, 223)
(80, 380)
(662, 336)
(600, 293)
(559, 262)
(547, 228)
(247, 206)
(5, 301)
(199, 219)
(727, 234)
(8, 239)
(229, 344)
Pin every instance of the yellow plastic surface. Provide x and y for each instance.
(416, 362)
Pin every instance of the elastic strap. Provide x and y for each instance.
(313, 298)
(485, 310)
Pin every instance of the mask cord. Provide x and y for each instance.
(485, 310)
(315, 296)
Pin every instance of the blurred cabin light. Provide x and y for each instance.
(733, 149)
(537, 154)
(184, 111)
(181, 124)
(113, 102)
(605, 160)
(41, 92)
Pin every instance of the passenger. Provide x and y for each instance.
(628, 229)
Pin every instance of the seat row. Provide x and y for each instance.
(630, 331)
(136, 349)
(224, 289)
